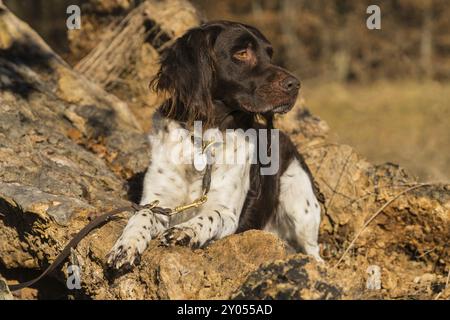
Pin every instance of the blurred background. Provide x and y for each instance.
(385, 92)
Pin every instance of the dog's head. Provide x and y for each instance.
(229, 62)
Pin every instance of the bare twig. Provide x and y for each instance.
(321, 162)
(393, 186)
(448, 279)
(427, 252)
(318, 146)
(375, 215)
(335, 191)
(445, 288)
(339, 178)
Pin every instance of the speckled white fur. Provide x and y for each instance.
(297, 218)
(173, 183)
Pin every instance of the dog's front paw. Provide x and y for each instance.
(180, 236)
(124, 255)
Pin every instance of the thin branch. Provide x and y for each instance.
(448, 280)
(339, 179)
(337, 192)
(445, 288)
(375, 215)
(393, 186)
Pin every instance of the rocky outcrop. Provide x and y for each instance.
(180, 273)
(297, 277)
(122, 42)
(377, 215)
(70, 149)
(5, 294)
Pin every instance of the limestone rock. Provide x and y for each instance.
(4, 291)
(121, 51)
(298, 277)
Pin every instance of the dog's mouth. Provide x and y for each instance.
(280, 107)
(283, 108)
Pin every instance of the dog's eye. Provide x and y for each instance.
(242, 55)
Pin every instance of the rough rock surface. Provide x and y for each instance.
(180, 273)
(122, 49)
(70, 149)
(5, 294)
(298, 277)
(407, 239)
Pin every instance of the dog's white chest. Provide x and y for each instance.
(173, 178)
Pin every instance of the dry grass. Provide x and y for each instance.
(404, 122)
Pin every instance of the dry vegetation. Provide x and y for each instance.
(405, 122)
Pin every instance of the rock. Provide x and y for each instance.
(121, 51)
(427, 277)
(65, 147)
(31, 199)
(409, 237)
(180, 273)
(48, 107)
(4, 291)
(298, 277)
(101, 19)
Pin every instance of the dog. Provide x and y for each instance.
(221, 74)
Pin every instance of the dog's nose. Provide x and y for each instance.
(290, 84)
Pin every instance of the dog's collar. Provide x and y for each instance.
(228, 118)
(224, 117)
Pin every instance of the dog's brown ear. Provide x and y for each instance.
(187, 74)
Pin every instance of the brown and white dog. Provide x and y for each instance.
(221, 74)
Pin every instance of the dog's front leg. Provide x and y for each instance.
(298, 213)
(162, 182)
(141, 228)
(219, 216)
(199, 230)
